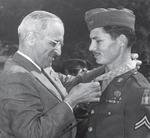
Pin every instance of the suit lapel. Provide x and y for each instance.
(20, 60)
(41, 77)
(53, 77)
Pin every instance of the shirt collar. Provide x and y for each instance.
(28, 58)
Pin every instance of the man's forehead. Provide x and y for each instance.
(55, 30)
(96, 32)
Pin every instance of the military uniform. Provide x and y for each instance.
(124, 107)
(123, 111)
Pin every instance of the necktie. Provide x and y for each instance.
(107, 77)
(45, 74)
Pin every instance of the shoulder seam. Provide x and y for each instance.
(144, 81)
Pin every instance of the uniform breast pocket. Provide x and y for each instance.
(115, 106)
(114, 98)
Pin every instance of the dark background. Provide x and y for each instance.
(76, 34)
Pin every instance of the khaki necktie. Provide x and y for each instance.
(106, 78)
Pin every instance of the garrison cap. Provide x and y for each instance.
(101, 17)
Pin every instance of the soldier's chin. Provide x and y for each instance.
(98, 61)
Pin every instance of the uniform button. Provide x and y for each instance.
(109, 113)
(90, 129)
(135, 72)
(77, 106)
(92, 111)
(120, 80)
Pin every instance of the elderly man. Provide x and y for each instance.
(124, 107)
(34, 104)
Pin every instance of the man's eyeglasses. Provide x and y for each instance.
(56, 43)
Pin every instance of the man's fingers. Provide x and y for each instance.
(139, 62)
(97, 79)
(97, 99)
(95, 94)
(95, 84)
(134, 56)
(95, 90)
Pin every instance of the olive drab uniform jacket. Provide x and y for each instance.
(123, 111)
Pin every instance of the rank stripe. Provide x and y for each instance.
(142, 122)
(143, 119)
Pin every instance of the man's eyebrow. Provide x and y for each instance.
(94, 37)
(59, 40)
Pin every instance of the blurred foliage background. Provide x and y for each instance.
(76, 34)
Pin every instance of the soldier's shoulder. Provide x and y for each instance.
(144, 86)
(140, 79)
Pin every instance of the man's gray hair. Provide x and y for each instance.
(36, 21)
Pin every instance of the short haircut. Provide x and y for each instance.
(36, 21)
(115, 31)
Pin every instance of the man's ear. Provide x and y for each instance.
(122, 40)
(30, 38)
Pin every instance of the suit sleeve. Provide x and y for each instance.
(70, 82)
(27, 118)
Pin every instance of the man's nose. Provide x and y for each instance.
(92, 46)
(58, 50)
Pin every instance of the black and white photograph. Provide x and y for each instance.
(74, 68)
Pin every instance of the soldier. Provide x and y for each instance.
(124, 107)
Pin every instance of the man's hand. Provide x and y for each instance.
(84, 92)
(137, 63)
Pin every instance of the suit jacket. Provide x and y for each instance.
(123, 111)
(32, 106)
(29, 107)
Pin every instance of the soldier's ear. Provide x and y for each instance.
(122, 40)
